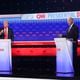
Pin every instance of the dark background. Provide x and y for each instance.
(36, 6)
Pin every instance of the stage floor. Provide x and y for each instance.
(36, 67)
(7, 78)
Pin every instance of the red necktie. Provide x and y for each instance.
(5, 34)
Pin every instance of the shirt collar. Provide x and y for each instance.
(71, 24)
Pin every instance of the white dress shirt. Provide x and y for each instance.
(70, 27)
(6, 30)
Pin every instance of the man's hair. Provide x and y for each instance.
(70, 18)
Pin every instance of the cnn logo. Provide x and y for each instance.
(40, 16)
(1, 49)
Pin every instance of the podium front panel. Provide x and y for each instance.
(5, 56)
(64, 61)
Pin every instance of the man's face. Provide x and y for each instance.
(70, 21)
(5, 24)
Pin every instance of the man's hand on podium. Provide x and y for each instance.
(60, 35)
(1, 32)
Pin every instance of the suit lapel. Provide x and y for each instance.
(70, 28)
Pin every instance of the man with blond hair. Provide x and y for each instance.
(6, 32)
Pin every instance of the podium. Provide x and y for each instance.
(64, 57)
(5, 56)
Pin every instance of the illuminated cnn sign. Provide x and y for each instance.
(41, 16)
(58, 49)
(78, 13)
(1, 49)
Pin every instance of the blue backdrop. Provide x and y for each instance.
(38, 30)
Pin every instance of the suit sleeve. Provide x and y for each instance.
(2, 35)
(12, 35)
(73, 34)
(76, 33)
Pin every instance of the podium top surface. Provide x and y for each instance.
(5, 39)
(60, 39)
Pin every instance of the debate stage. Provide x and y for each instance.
(35, 59)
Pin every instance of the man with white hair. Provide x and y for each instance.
(73, 34)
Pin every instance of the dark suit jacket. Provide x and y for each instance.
(10, 34)
(73, 33)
